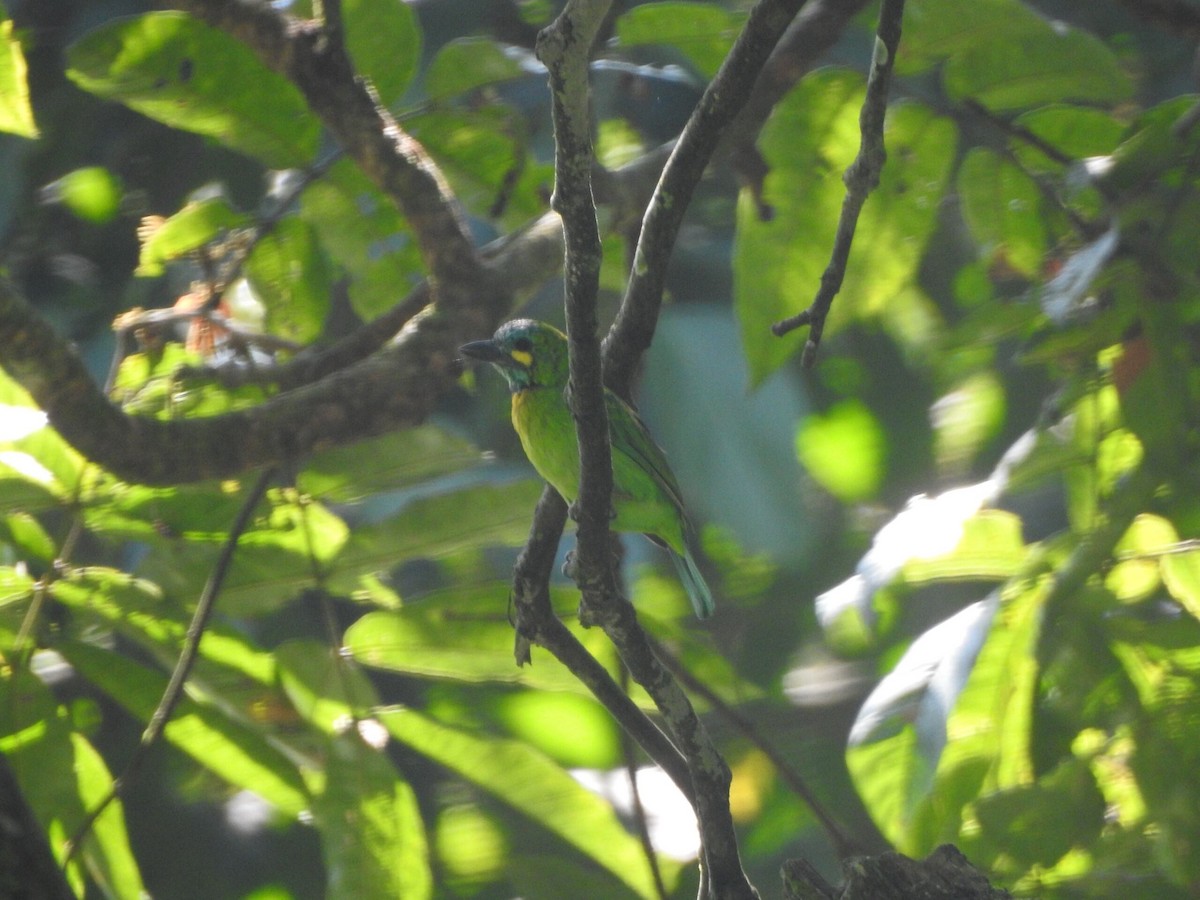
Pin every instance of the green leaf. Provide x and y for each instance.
(437, 526)
(361, 230)
(991, 547)
(38, 469)
(844, 449)
(170, 67)
(92, 194)
(372, 835)
(1003, 209)
(1037, 65)
(221, 744)
(966, 418)
(466, 64)
(808, 142)
(532, 785)
(62, 776)
(328, 690)
(702, 32)
(572, 729)
(16, 115)
(290, 275)
(1181, 575)
(28, 538)
(463, 636)
(1136, 574)
(198, 223)
(349, 474)
(281, 553)
(384, 40)
(1078, 132)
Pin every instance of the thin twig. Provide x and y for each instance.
(183, 666)
(640, 823)
(843, 842)
(861, 178)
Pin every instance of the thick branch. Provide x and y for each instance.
(564, 47)
(316, 61)
(861, 178)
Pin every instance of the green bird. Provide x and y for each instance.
(532, 357)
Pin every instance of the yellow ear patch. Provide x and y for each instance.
(523, 357)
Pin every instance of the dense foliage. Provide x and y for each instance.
(957, 562)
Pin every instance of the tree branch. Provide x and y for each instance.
(564, 47)
(314, 58)
(633, 329)
(861, 178)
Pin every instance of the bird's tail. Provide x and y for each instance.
(694, 583)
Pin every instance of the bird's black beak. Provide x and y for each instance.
(485, 351)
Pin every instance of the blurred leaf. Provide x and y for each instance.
(966, 418)
(352, 473)
(1039, 823)
(61, 775)
(990, 547)
(808, 142)
(436, 526)
(372, 835)
(844, 449)
(1036, 65)
(464, 636)
(291, 276)
(466, 64)
(1003, 209)
(470, 846)
(384, 40)
(363, 232)
(327, 689)
(16, 115)
(1135, 576)
(533, 786)
(1181, 574)
(702, 32)
(170, 67)
(221, 744)
(572, 729)
(28, 538)
(1078, 132)
(198, 223)
(92, 194)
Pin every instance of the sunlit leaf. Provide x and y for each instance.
(16, 115)
(214, 740)
(966, 418)
(844, 449)
(327, 689)
(372, 835)
(92, 193)
(1181, 574)
(27, 537)
(195, 225)
(173, 68)
(808, 142)
(533, 786)
(1136, 575)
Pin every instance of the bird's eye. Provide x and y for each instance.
(523, 344)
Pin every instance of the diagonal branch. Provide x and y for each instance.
(861, 178)
(633, 329)
(314, 58)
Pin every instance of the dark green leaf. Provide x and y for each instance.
(467, 64)
(384, 40)
(811, 138)
(1003, 209)
(291, 276)
(172, 68)
(702, 32)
